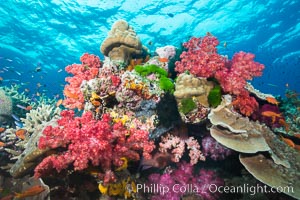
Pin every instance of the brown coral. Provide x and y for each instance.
(122, 44)
(276, 176)
(281, 169)
(188, 86)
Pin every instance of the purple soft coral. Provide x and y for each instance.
(183, 180)
(211, 148)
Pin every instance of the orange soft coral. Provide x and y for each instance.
(245, 103)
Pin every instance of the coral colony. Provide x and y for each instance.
(126, 130)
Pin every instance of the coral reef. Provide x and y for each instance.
(87, 140)
(38, 116)
(31, 155)
(250, 137)
(202, 60)
(85, 71)
(130, 119)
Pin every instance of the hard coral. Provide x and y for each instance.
(88, 141)
(85, 71)
(122, 43)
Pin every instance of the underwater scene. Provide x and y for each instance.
(149, 100)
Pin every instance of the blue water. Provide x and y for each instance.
(53, 34)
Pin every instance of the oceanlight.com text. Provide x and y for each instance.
(211, 188)
(250, 189)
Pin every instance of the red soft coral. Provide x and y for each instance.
(201, 59)
(245, 103)
(88, 141)
(85, 71)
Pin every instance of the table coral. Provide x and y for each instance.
(88, 141)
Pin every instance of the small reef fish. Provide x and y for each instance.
(18, 73)
(67, 93)
(59, 102)
(225, 44)
(271, 114)
(272, 100)
(15, 117)
(2, 129)
(19, 124)
(2, 144)
(288, 142)
(284, 124)
(35, 190)
(272, 85)
(170, 14)
(21, 133)
(24, 108)
(161, 59)
(159, 160)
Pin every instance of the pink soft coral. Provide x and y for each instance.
(201, 59)
(184, 181)
(87, 141)
(242, 68)
(176, 146)
(85, 71)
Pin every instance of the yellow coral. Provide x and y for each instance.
(103, 189)
(124, 165)
(94, 96)
(125, 188)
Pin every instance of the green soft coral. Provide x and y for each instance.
(149, 69)
(165, 83)
(187, 105)
(215, 96)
